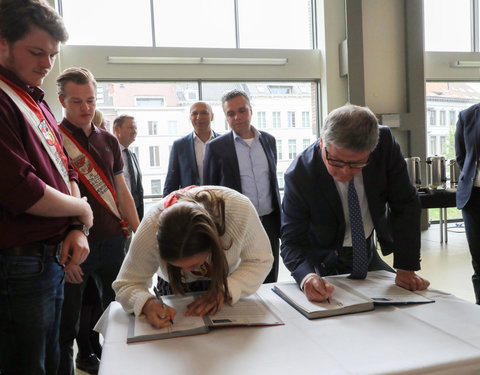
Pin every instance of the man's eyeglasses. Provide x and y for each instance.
(341, 163)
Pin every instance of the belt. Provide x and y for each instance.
(34, 249)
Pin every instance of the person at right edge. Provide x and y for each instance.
(351, 181)
(467, 141)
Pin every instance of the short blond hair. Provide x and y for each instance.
(77, 75)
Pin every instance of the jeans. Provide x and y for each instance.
(471, 217)
(102, 264)
(31, 297)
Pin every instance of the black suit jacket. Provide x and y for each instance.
(138, 197)
(467, 141)
(313, 223)
(220, 165)
(182, 165)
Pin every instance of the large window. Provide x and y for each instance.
(443, 98)
(171, 120)
(267, 24)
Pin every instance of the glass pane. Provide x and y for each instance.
(282, 24)
(447, 25)
(162, 121)
(444, 101)
(108, 22)
(195, 23)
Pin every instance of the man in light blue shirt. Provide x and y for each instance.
(245, 159)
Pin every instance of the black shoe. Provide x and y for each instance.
(89, 363)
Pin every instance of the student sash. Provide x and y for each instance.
(35, 118)
(93, 177)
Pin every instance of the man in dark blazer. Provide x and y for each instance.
(125, 130)
(316, 233)
(467, 142)
(245, 160)
(185, 166)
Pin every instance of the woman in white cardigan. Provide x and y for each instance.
(206, 233)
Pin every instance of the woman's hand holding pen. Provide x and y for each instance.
(158, 314)
(317, 289)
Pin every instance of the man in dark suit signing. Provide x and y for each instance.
(245, 160)
(467, 142)
(351, 181)
(185, 166)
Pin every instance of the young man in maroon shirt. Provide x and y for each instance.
(96, 155)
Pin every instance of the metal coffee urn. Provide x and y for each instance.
(413, 168)
(454, 173)
(436, 177)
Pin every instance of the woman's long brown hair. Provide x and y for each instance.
(191, 226)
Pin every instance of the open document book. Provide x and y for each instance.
(249, 311)
(350, 295)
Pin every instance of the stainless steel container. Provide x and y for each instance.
(454, 169)
(414, 172)
(436, 177)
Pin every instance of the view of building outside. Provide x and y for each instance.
(162, 114)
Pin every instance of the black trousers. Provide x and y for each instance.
(344, 261)
(471, 217)
(271, 224)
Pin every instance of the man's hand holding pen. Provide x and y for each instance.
(317, 289)
(158, 314)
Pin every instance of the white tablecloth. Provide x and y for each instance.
(436, 338)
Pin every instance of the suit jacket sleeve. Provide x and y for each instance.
(172, 182)
(211, 166)
(295, 244)
(403, 210)
(460, 141)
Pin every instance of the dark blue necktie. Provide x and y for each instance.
(359, 244)
(131, 171)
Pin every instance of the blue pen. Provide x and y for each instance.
(318, 274)
(159, 298)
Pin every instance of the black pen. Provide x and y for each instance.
(318, 274)
(159, 298)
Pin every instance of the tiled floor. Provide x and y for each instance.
(447, 266)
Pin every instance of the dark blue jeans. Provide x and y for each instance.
(471, 217)
(31, 296)
(102, 264)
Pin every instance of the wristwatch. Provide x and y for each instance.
(80, 227)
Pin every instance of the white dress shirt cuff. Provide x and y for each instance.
(307, 276)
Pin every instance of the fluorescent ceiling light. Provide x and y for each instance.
(152, 60)
(245, 60)
(197, 60)
(466, 64)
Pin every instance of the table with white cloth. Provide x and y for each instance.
(433, 338)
